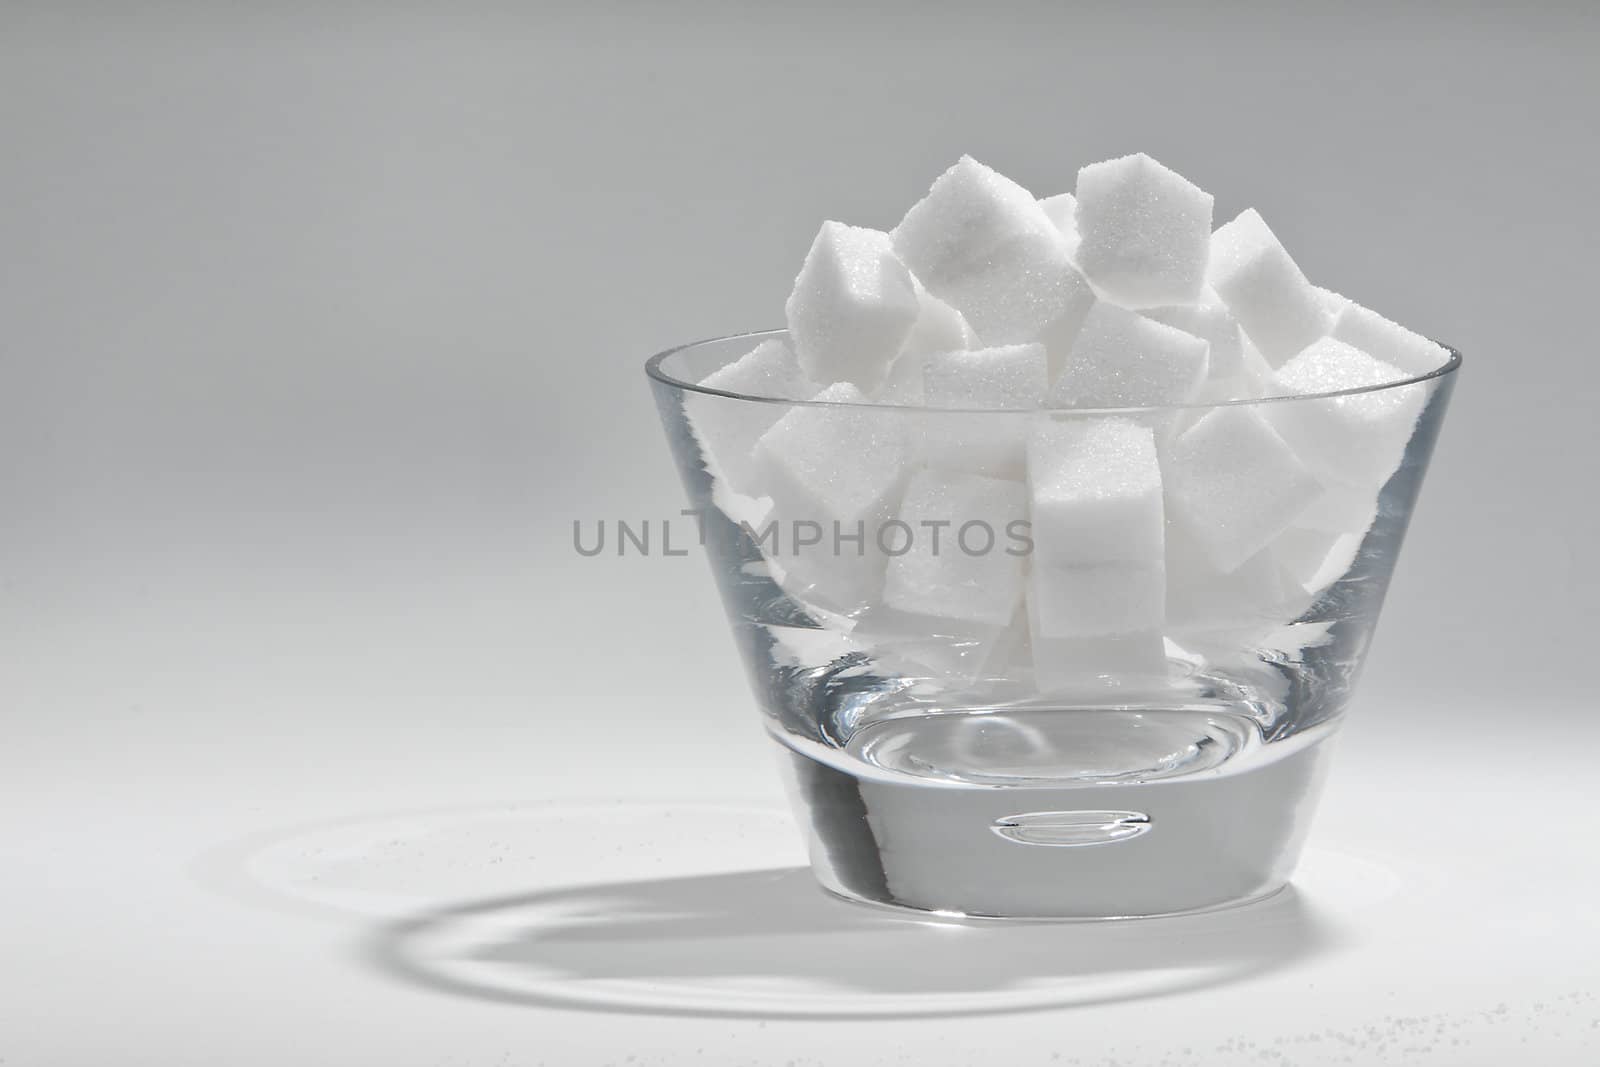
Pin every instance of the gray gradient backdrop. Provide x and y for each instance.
(318, 328)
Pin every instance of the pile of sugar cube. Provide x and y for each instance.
(1163, 516)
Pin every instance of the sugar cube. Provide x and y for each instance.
(1144, 232)
(1095, 490)
(1102, 599)
(982, 243)
(1209, 319)
(1388, 341)
(958, 561)
(1063, 209)
(903, 386)
(1063, 664)
(1203, 598)
(1332, 303)
(1003, 378)
(770, 369)
(1341, 509)
(1006, 377)
(1123, 359)
(1253, 381)
(1257, 372)
(823, 463)
(1007, 656)
(1358, 439)
(834, 474)
(1315, 559)
(927, 648)
(820, 566)
(728, 429)
(1232, 485)
(938, 328)
(968, 211)
(852, 306)
(1279, 310)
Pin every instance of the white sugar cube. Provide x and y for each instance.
(1357, 439)
(927, 648)
(1209, 319)
(1063, 209)
(834, 567)
(1280, 311)
(938, 328)
(1103, 599)
(1388, 341)
(1232, 484)
(804, 648)
(1256, 370)
(1003, 378)
(1341, 509)
(1315, 559)
(1006, 658)
(728, 429)
(1144, 232)
(834, 474)
(1253, 381)
(823, 566)
(1202, 598)
(903, 386)
(1332, 303)
(852, 306)
(982, 243)
(1064, 664)
(1123, 359)
(968, 211)
(770, 369)
(959, 562)
(1095, 489)
(825, 463)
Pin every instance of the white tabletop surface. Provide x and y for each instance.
(343, 814)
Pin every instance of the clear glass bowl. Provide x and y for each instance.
(972, 767)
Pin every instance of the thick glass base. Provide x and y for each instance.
(1057, 813)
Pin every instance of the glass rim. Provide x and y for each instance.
(653, 368)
